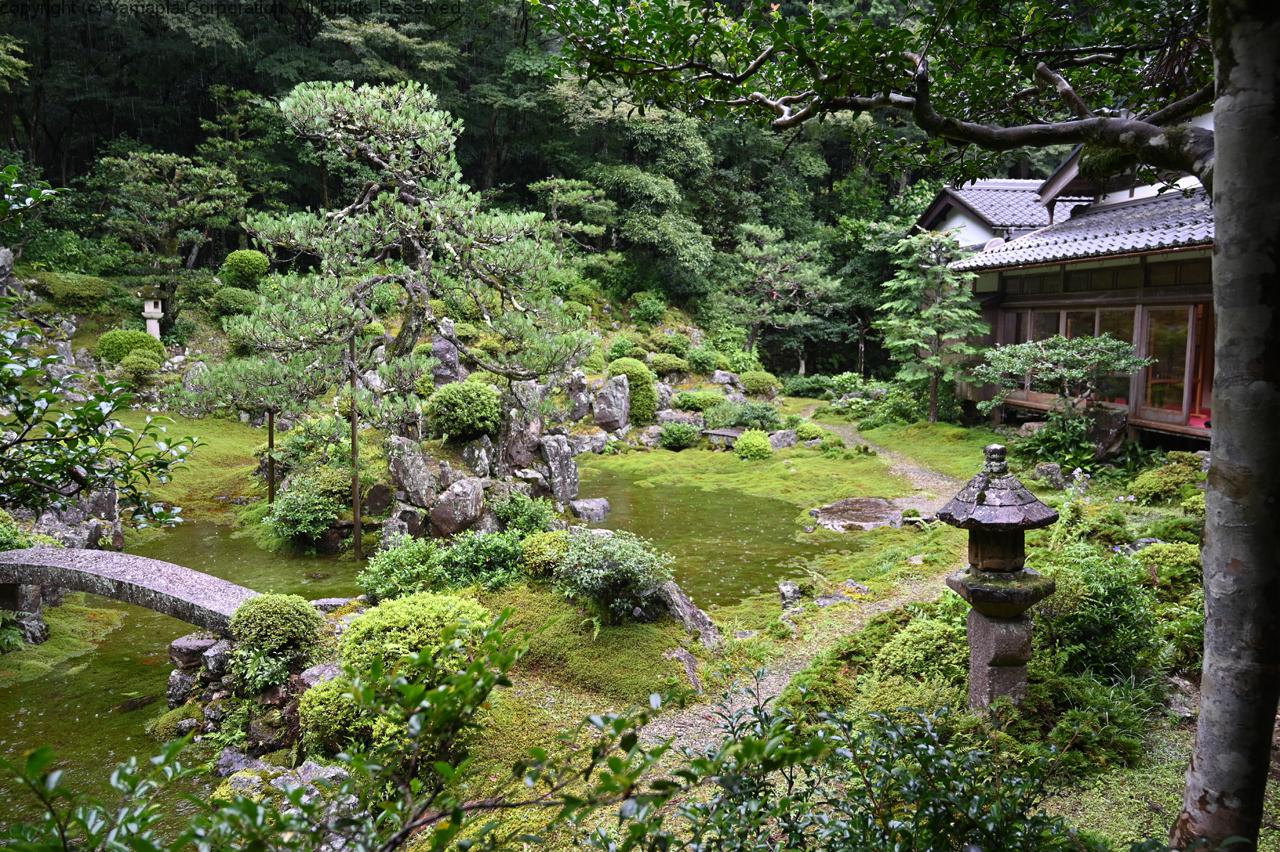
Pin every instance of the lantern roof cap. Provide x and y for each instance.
(996, 500)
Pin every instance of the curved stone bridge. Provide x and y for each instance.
(188, 595)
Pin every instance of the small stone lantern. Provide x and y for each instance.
(997, 510)
(153, 312)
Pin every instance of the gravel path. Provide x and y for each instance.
(698, 727)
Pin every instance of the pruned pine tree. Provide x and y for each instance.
(780, 285)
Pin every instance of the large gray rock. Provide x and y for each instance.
(649, 437)
(448, 367)
(683, 609)
(91, 521)
(578, 394)
(612, 407)
(181, 685)
(458, 507)
(671, 415)
(724, 377)
(593, 441)
(521, 432)
(562, 470)
(412, 471)
(319, 673)
(664, 394)
(782, 439)
(480, 456)
(592, 509)
(185, 652)
(858, 513)
(217, 658)
(1050, 473)
(232, 760)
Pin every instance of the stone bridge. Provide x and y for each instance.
(187, 595)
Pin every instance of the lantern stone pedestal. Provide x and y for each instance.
(997, 510)
(153, 312)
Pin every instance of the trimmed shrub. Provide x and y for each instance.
(753, 445)
(807, 430)
(704, 359)
(759, 383)
(1172, 567)
(926, 649)
(116, 344)
(644, 396)
(679, 436)
(491, 560)
(674, 342)
(697, 400)
(1193, 506)
(72, 292)
(232, 301)
(623, 346)
(619, 574)
(748, 415)
(278, 625)
(331, 720)
(523, 514)
(254, 670)
(141, 367)
(409, 565)
(1179, 473)
(464, 410)
(405, 626)
(541, 553)
(244, 268)
(304, 511)
(813, 387)
(665, 365)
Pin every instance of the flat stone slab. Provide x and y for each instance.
(858, 513)
(173, 590)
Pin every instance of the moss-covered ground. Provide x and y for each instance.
(953, 450)
(75, 629)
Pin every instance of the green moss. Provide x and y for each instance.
(953, 450)
(74, 630)
(165, 726)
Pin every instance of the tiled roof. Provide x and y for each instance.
(1168, 220)
(1004, 203)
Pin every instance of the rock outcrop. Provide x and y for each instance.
(683, 609)
(458, 507)
(562, 470)
(412, 471)
(448, 367)
(612, 407)
(521, 432)
(592, 509)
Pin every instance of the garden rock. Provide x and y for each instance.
(448, 368)
(735, 396)
(193, 378)
(579, 396)
(1050, 473)
(724, 377)
(790, 594)
(690, 663)
(33, 627)
(267, 732)
(592, 441)
(521, 432)
(232, 760)
(181, 685)
(612, 408)
(649, 437)
(217, 659)
(683, 609)
(458, 507)
(1026, 430)
(185, 652)
(664, 395)
(562, 470)
(378, 499)
(479, 456)
(411, 471)
(318, 674)
(592, 509)
(858, 513)
(405, 520)
(533, 480)
(327, 605)
(671, 415)
(782, 439)
(832, 600)
(92, 521)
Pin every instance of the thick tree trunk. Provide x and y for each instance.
(357, 527)
(1228, 775)
(271, 457)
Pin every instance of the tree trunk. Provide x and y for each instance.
(271, 457)
(357, 528)
(800, 371)
(933, 398)
(1227, 779)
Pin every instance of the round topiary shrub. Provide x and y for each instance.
(140, 367)
(644, 395)
(697, 400)
(541, 553)
(647, 307)
(244, 268)
(926, 649)
(232, 301)
(759, 383)
(116, 344)
(279, 625)
(807, 430)
(331, 720)
(704, 359)
(675, 342)
(679, 436)
(753, 445)
(464, 410)
(617, 573)
(406, 626)
(665, 364)
(622, 346)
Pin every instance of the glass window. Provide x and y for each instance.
(1118, 324)
(1167, 343)
(1202, 375)
(1080, 323)
(1043, 324)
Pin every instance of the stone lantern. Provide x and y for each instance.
(997, 510)
(152, 312)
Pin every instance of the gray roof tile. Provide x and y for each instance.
(1004, 203)
(1168, 220)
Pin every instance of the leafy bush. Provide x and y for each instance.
(664, 364)
(759, 383)
(1179, 473)
(1194, 506)
(12, 537)
(303, 511)
(140, 367)
(330, 719)
(679, 436)
(647, 307)
(232, 301)
(541, 553)
(1172, 567)
(618, 573)
(748, 415)
(72, 292)
(1080, 519)
(116, 344)
(1176, 528)
(674, 342)
(807, 430)
(807, 386)
(405, 626)
(491, 560)
(254, 669)
(464, 410)
(644, 395)
(926, 649)
(753, 445)
(903, 402)
(696, 400)
(1064, 440)
(704, 359)
(244, 268)
(409, 565)
(523, 514)
(1182, 629)
(284, 626)
(623, 346)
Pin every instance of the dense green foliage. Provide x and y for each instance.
(463, 410)
(616, 572)
(696, 400)
(523, 514)
(446, 627)
(759, 383)
(748, 415)
(679, 436)
(244, 268)
(113, 346)
(753, 445)
(644, 395)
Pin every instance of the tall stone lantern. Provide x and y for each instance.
(152, 312)
(997, 510)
